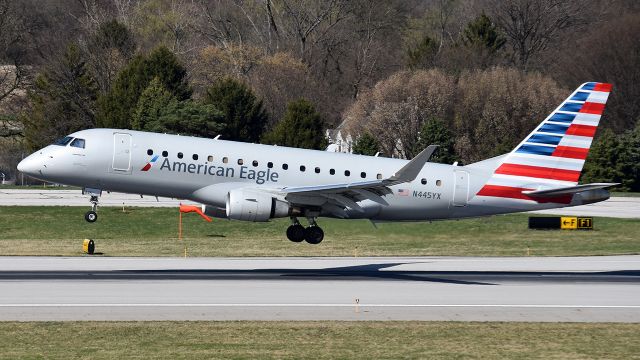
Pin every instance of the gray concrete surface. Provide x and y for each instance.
(584, 289)
(35, 197)
(621, 207)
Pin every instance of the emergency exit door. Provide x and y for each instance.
(461, 188)
(122, 153)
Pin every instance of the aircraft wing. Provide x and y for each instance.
(335, 198)
(568, 190)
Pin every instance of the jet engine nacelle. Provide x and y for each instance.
(251, 205)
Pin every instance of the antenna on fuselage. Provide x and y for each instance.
(217, 137)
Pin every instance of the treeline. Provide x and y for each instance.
(152, 93)
(473, 76)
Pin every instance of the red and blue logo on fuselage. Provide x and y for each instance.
(150, 164)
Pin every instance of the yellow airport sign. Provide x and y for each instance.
(572, 222)
(585, 223)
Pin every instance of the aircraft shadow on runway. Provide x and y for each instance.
(374, 272)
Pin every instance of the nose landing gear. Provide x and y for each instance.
(92, 215)
(312, 234)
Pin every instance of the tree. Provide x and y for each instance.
(16, 26)
(187, 118)
(435, 131)
(366, 145)
(482, 33)
(116, 107)
(498, 107)
(531, 25)
(423, 55)
(600, 165)
(151, 105)
(159, 111)
(609, 52)
(395, 109)
(629, 160)
(244, 115)
(63, 100)
(109, 49)
(301, 127)
(615, 158)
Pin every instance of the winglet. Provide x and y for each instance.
(411, 169)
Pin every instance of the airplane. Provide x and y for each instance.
(254, 182)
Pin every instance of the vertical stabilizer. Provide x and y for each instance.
(553, 154)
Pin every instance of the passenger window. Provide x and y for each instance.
(165, 154)
(79, 143)
(317, 170)
(438, 182)
(347, 173)
(379, 176)
(285, 166)
(210, 158)
(255, 163)
(225, 159)
(332, 171)
(269, 164)
(149, 152)
(423, 181)
(240, 161)
(363, 174)
(303, 168)
(180, 156)
(195, 156)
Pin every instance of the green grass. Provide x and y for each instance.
(317, 340)
(625, 194)
(154, 231)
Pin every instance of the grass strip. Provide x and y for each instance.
(154, 232)
(318, 340)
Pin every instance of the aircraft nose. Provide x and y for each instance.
(30, 165)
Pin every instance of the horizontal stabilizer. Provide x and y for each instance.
(568, 190)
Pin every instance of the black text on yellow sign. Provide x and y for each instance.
(572, 222)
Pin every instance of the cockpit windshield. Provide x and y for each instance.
(64, 141)
(77, 142)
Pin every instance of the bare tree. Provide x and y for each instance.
(531, 25)
(609, 53)
(14, 33)
(395, 110)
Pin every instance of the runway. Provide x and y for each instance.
(620, 207)
(582, 289)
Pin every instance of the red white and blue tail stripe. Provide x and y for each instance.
(554, 153)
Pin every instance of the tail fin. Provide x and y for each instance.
(554, 153)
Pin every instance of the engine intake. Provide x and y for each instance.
(249, 205)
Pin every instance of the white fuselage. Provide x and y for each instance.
(205, 170)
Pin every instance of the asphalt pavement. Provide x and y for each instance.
(582, 289)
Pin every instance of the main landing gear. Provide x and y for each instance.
(312, 234)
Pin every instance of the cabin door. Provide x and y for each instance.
(461, 188)
(122, 153)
